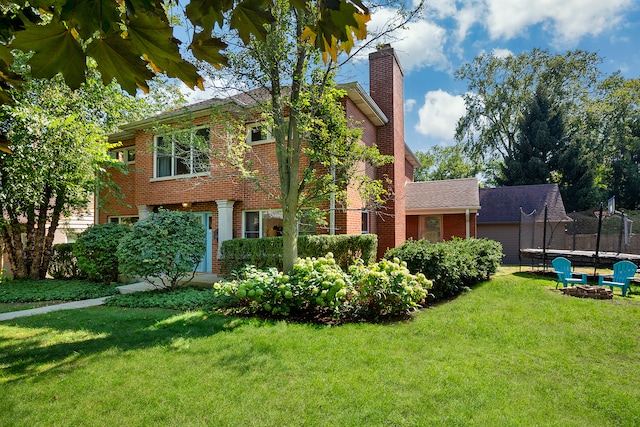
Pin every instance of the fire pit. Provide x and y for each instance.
(588, 291)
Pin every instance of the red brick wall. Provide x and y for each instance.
(453, 225)
(408, 171)
(386, 87)
(413, 227)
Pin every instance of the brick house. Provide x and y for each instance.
(230, 207)
(441, 210)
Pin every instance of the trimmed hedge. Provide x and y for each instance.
(64, 264)
(452, 265)
(265, 253)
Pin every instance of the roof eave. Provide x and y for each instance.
(365, 103)
(128, 130)
(411, 157)
(444, 210)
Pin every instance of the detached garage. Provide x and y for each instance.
(500, 216)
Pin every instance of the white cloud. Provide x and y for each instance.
(420, 44)
(438, 116)
(409, 104)
(568, 20)
(501, 53)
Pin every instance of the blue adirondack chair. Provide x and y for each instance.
(562, 267)
(623, 272)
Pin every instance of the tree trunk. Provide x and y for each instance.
(28, 245)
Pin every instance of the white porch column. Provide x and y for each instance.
(225, 221)
(144, 211)
(467, 216)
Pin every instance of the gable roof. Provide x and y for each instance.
(446, 196)
(502, 205)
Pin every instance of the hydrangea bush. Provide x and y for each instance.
(319, 285)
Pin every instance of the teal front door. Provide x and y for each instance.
(205, 220)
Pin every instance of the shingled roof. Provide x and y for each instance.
(446, 196)
(502, 205)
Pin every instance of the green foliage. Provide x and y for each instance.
(386, 288)
(167, 246)
(318, 286)
(452, 265)
(63, 132)
(179, 299)
(266, 252)
(440, 163)
(52, 290)
(133, 43)
(96, 250)
(64, 265)
(314, 284)
(500, 88)
(541, 140)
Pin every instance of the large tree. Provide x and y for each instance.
(59, 148)
(620, 113)
(500, 88)
(444, 162)
(541, 138)
(295, 99)
(132, 40)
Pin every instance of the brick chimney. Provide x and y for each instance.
(386, 86)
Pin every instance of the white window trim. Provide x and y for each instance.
(121, 217)
(115, 154)
(261, 230)
(368, 224)
(267, 140)
(173, 175)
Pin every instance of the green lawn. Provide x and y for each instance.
(512, 352)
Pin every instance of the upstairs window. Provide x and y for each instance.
(182, 153)
(257, 133)
(125, 155)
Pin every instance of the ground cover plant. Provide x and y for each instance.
(184, 299)
(512, 351)
(50, 290)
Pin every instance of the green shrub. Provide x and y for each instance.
(386, 288)
(64, 265)
(96, 248)
(451, 265)
(314, 284)
(266, 252)
(318, 287)
(167, 246)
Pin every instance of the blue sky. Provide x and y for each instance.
(451, 33)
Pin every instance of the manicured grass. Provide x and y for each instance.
(512, 351)
(25, 294)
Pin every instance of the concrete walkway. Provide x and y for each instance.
(49, 308)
